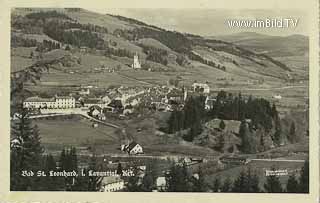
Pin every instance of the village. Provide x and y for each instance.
(126, 103)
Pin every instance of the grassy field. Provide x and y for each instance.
(60, 132)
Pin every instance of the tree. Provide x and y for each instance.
(292, 184)
(27, 154)
(49, 183)
(292, 133)
(200, 185)
(88, 183)
(304, 178)
(220, 143)
(147, 182)
(227, 184)
(246, 182)
(247, 141)
(216, 185)
(240, 183)
(273, 184)
(177, 180)
(222, 125)
(133, 184)
(252, 182)
(119, 169)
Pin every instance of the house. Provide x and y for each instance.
(132, 148)
(101, 116)
(106, 99)
(278, 97)
(83, 49)
(88, 102)
(116, 104)
(176, 95)
(161, 183)
(136, 64)
(83, 92)
(56, 102)
(95, 110)
(128, 109)
(201, 88)
(209, 102)
(111, 184)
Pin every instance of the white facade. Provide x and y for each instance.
(50, 103)
(137, 149)
(65, 102)
(136, 64)
(161, 183)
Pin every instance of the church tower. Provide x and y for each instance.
(136, 64)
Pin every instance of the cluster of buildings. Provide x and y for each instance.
(123, 99)
(56, 102)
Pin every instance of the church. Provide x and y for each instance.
(136, 64)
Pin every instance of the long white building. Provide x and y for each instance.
(57, 102)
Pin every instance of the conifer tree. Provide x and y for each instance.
(227, 185)
(292, 184)
(273, 184)
(27, 154)
(216, 185)
(304, 178)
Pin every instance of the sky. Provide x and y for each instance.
(211, 22)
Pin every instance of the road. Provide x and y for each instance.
(279, 160)
(74, 111)
(260, 89)
(135, 79)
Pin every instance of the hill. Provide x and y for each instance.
(113, 40)
(275, 46)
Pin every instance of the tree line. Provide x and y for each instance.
(179, 178)
(155, 54)
(200, 59)
(78, 38)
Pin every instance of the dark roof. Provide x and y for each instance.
(116, 103)
(39, 99)
(175, 93)
(92, 101)
(131, 145)
(95, 107)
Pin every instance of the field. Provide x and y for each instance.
(60, 132)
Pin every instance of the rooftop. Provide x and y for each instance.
(39, 99)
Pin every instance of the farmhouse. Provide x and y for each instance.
(201, 88)
(278, 96)
(132, 148)
(209, 103)
(161, 183)
(57, 102)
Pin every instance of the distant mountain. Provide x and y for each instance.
(275, 46)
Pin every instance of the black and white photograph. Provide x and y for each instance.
(159, 100)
